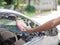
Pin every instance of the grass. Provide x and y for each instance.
(22, 4)
(30, 14)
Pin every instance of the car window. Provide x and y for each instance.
(4, 18)
(7, 21)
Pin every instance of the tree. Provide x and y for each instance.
(29, 2)
(9, 3)
(16, 3)
(29, 7)
(59, 2)
(2, 3)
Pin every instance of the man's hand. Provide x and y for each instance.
(48, 25)
(23, 28)
(28, 30)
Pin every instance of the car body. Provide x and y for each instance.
(7, 22)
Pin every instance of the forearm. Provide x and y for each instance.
(47, 25)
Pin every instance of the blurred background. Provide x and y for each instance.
(30, 7)
(40, 11)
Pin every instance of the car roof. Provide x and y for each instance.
(10, 11)
(14, 12)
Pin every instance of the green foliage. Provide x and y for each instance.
(2, 3)
(31, 14)
(30, 8)
(16, 3)
(59, 2)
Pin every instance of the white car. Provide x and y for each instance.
(7, 22)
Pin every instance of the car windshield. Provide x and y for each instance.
(6, 21)
(9, 23)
